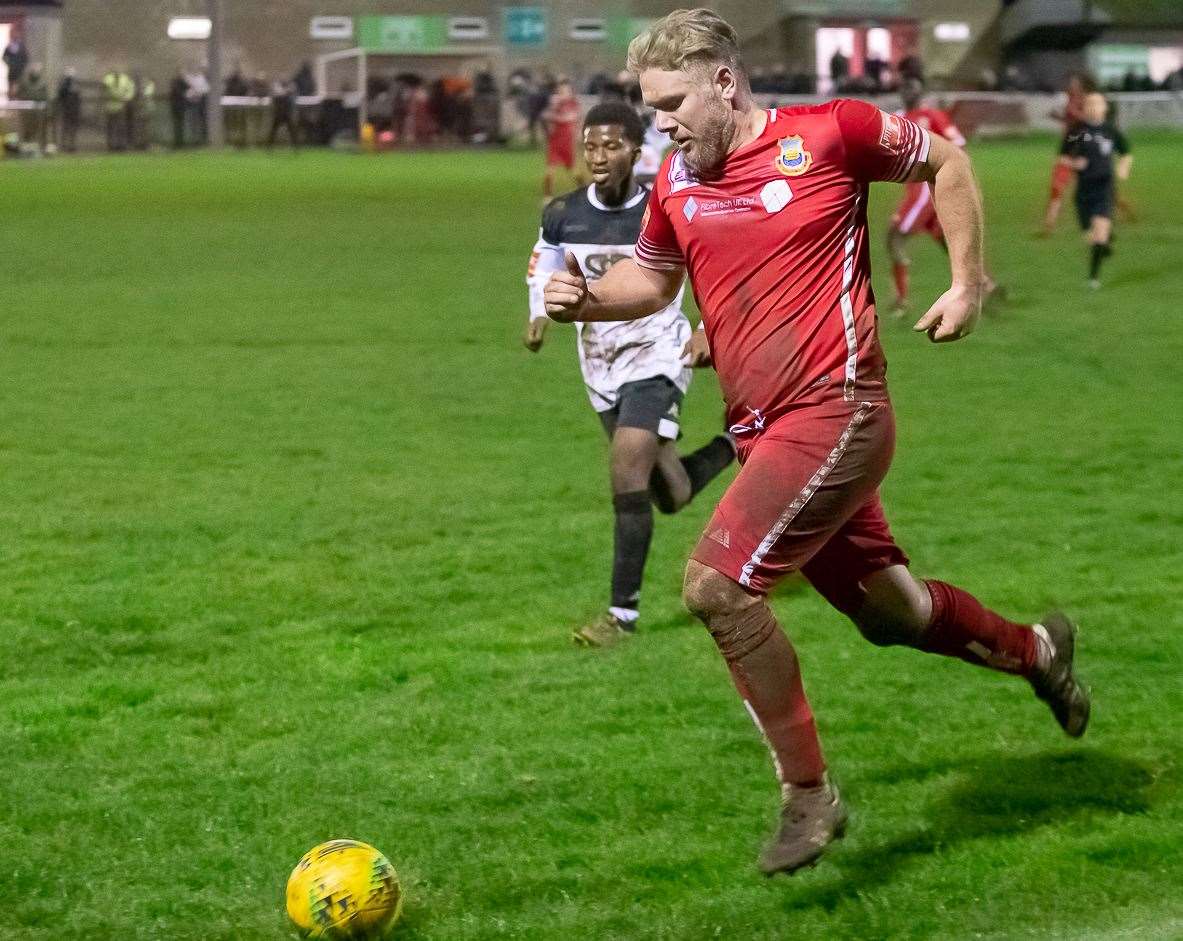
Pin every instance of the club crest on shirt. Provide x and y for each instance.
(793, 159)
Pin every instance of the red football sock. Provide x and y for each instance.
(765, 670)
(962, 627)
(900, 273)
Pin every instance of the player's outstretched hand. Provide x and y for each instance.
(953, 316)
(535, 334)
(565, 294)
(697, 352)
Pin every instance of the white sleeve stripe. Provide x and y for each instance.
(665, 259)
(913, 150)
(652, 253)
(903, 150)
(642, 250)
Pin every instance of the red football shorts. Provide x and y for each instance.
(560, 148)
(807, 499)
(917, 213)
(1062, 174)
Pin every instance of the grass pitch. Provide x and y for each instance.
(293, 532)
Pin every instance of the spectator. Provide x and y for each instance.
(283, 112)
(839, 69)
(304, 86)
(16, 59)
(197, 105)
(303, 81)
(178, 106)
(32, 88)
(236, 115)
(874, 68)
(141, 112)
(539, 99)
(68, 112)
(118, 91)
(911, 69)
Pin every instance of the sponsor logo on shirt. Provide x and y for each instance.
(776, 195)
(793, 159)
(725, 207)
(891, 132)
(690, 209)
(597, 264)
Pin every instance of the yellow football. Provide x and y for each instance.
(344, 890)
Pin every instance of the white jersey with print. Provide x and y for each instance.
(611, 353)
(653, 149)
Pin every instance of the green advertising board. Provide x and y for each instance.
(525, 26)
(859, 8)
(402, 33)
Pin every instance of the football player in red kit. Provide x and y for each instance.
(916, 212)
(561, 119)
(767, 212)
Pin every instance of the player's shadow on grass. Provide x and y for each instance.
(993, 796)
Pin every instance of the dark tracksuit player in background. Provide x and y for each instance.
(1090, 148)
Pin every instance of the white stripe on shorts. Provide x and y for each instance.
(790, 513)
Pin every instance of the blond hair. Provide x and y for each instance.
(685, 39)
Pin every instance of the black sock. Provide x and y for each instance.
(1100, 253)
(634, 529)
(702, 466)
(705, 464)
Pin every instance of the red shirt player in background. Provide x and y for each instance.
(767, 211)
(561, 120)
(1062, 173)
(916, 212)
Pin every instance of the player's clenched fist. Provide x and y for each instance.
(565, 294)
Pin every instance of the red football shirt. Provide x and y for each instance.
(778, 255)
(937, 121)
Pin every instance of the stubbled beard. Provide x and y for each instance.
(712, 143)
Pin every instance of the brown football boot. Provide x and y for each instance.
(604, 631)
(1058, 685)
(811, 818)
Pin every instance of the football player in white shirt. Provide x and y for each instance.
(636, 372)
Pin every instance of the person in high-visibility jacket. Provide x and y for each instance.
(118, 91)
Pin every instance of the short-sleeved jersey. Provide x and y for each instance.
(562, 114)
(1096, 143)
(779, 258)
(610, 353)
(936, 121)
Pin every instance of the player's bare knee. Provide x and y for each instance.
(708, 594)
(739, 622)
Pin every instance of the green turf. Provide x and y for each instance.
(293, 532)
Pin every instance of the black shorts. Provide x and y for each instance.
(1093, 201)
(653, 404)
